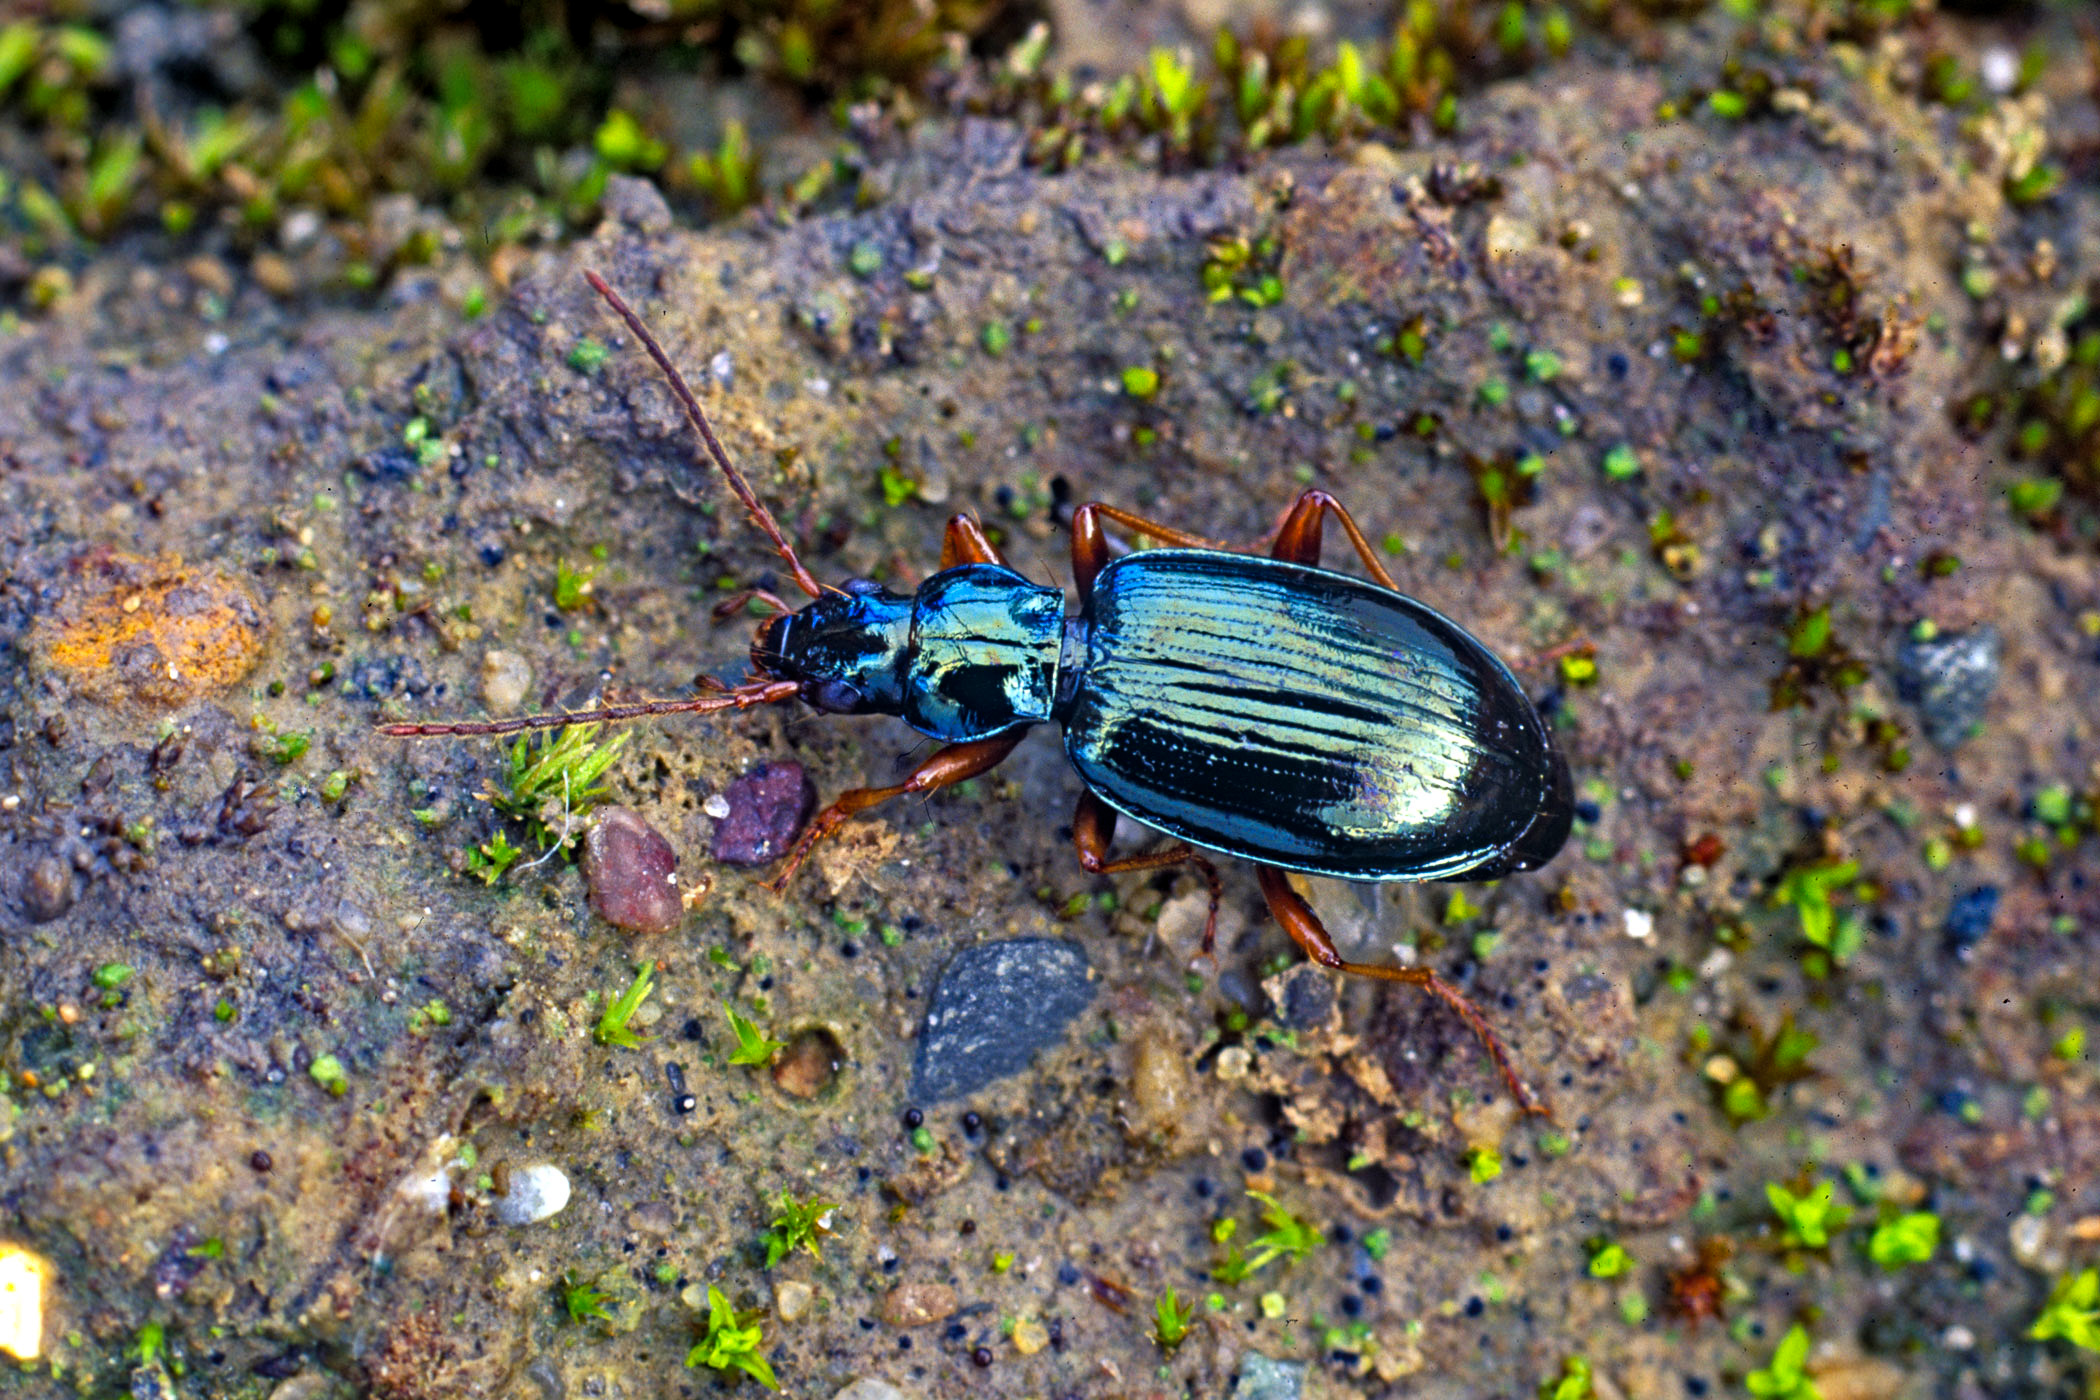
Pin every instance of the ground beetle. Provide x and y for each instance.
(1256, 707)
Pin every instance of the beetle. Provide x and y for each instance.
(1259, 707)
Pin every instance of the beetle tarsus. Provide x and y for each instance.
(1308, 933)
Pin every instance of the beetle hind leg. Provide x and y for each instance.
(1094, 824)
(1308, 933)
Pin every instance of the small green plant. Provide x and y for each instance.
(587, 355)
(753, 1046)
(800, 1225)
(1832, 937)
(1171, 1320)
(612, 1024)
(1286, 1235)
(2035, 497)
(287, 749)
(731, 1343)
(2072, 1312)
(557, 776)
(1573, 1382)
(491, 858)
(1609, 1260)
(1811, 1217)
(327, 1071)
(1173, 97)
(572, 587)
(1910, 1238)
(729, 177)
(1784, 1378)
(1140, 381)
(1483, 1164)
(583, 1302)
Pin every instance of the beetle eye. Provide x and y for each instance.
(832, 697)
(860, 587)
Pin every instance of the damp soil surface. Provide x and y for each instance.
(298, 1055)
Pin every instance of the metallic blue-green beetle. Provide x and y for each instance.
(1256, 707)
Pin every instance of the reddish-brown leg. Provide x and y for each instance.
(741, 599)
(1298, 538)
(1090, 547)
(1094, 825)
(964, 543)
(951, 765)
(1306, 931)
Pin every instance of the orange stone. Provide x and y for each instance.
(151, 631)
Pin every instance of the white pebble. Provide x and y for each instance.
(1640, 925)
(2001, 69)
(536, 1192)
(716, 806)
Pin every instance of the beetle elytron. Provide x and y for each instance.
(1256, 707)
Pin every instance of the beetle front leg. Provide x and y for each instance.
(1308, 933)
(1094, 825)
(964, 542)
(951, 765)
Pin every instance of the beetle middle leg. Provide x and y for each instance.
(1298, 538)
(1308, 933)
(951, 765)
(1094, 824)
(1090, 547)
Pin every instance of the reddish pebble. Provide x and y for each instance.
(767, 806)
(632, 873)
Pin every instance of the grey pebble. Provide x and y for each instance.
(996, 1005)
(1264, 1379)
(1949, 678)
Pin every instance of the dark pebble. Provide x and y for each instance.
(632, 873)
(981, 1358)
(1969, 918)
(1949, 679)
(260, 1160)
(1308, 997)
(995, 1006)
(767, 807)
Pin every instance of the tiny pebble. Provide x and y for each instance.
(536, 1193)
(792, 1299)
(1640, 925)
(869, 1388)
(916, 1304)
(1030, 1336)
(716, 806)
(767, 807)
(632, 873)
(505, 679)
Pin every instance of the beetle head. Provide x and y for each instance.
(848, 649)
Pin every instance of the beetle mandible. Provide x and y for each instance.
(1258, 707)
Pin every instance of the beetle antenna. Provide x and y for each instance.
(698, 419)
(740, 698)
